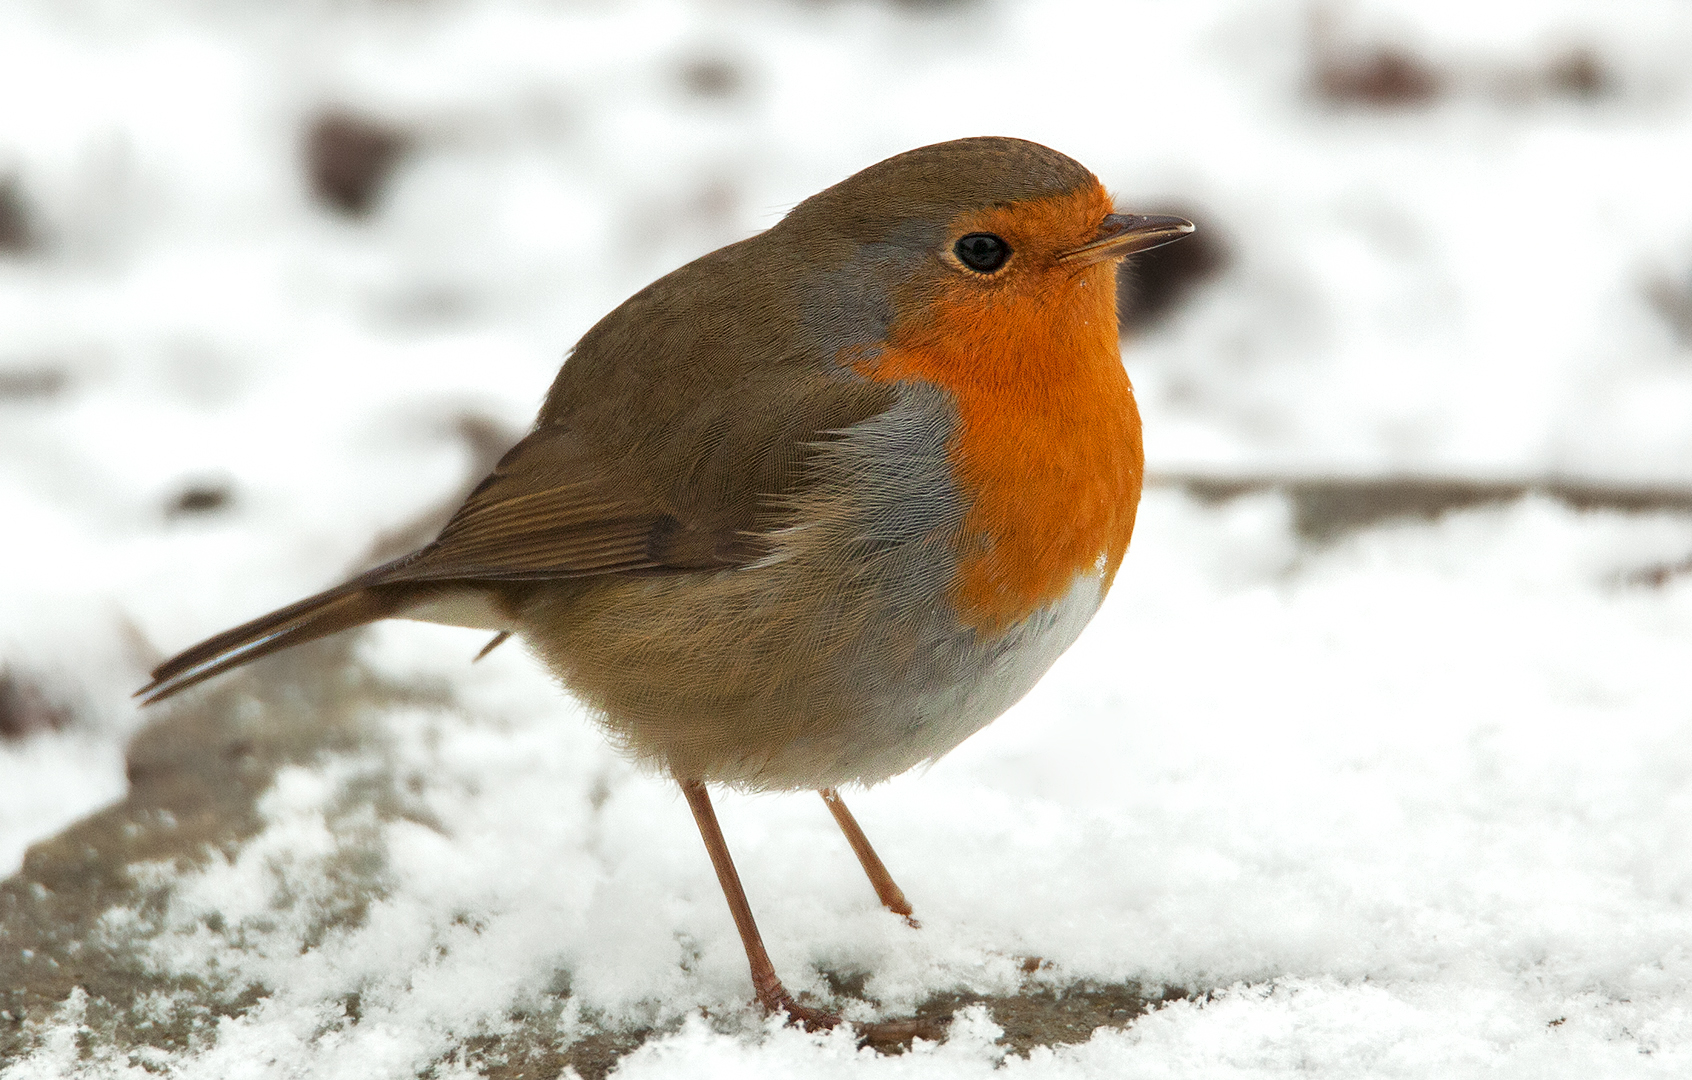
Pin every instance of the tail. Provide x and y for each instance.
(355, 603)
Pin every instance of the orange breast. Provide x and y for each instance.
(1048, 440)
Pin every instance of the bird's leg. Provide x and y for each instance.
(771, 994)
(892, 897)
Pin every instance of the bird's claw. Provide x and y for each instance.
(869, 1033)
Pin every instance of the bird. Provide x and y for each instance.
(812, 509)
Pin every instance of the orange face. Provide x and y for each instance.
(1048, 440)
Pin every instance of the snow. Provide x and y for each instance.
(1416, 801)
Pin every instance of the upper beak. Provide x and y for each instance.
(1124, 234)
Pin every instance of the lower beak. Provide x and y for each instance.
(1124, 234)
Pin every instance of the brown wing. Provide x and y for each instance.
(558, 507)
(675, 439)
(554, 508)
(548, 510)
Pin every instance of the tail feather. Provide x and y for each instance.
(353, 604)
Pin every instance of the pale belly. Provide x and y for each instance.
(1002, 672)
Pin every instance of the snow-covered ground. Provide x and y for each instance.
(1415, 802)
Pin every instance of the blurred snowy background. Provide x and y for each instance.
(1380, 753)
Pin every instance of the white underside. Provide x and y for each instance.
(944, 717)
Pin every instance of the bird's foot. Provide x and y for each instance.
(870, 1033)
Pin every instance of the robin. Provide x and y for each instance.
(816, 507)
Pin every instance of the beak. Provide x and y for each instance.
(1124, 234)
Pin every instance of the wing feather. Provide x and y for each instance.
(562, 505)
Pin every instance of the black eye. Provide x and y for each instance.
(982, 252)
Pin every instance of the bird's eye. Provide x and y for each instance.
(982, 252)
